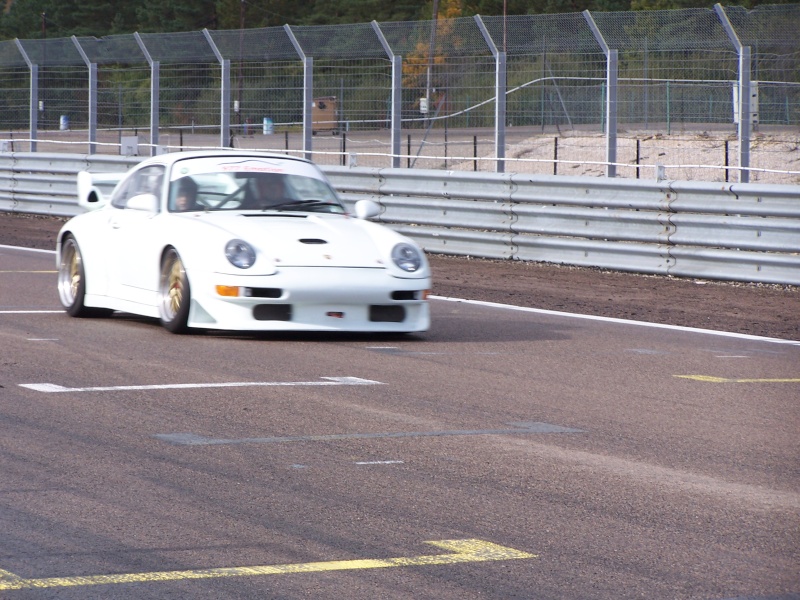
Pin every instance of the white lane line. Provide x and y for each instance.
(52, 387)
(555, 313)
(30, 312)
(27, 249)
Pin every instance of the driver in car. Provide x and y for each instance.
(270, 190)
(186, 198)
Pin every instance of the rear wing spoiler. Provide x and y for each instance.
(94, 189)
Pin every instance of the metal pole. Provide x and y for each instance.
(397, 95)
(500, 112)
(155, 93)
(308, 92)
(745, 114)
(612, 77)
(155, 85)
(611, 112)
(431, 51)
(34, 106)
(499, 95)
(92, 67)
(92, 108)
(33, 114)
(225, 93)
(744, 93)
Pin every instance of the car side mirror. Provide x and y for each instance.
(366, 209)
(145, 202)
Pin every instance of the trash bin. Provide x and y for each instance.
(268, 128)
(63, 123)
(325, 115)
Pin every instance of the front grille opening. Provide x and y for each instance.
(379, 313)
(407, 295)
(263, 292)
(272, 312)
(312, 241)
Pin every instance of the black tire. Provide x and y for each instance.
(174, 295)
(72, 281)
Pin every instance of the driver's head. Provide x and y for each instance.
(270, 188)
(186, 197)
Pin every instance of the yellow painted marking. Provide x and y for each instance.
(462, 551)
(709, 379)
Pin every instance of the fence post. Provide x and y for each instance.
(745, 114)
(744, 93)
(612, 76)
(500, 76)
(92, 95)
(33, 119)
(225, 93)
(555, 155)
(308, 92)
(397, 95)
(155, 91)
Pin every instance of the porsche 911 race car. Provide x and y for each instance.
(238, 240)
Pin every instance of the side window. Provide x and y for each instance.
(120, 195)
(148, 180)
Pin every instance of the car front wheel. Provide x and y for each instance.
(174, 294)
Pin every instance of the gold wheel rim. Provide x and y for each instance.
(175, 287)
(74, 274)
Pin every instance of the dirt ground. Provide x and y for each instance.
(756, 309)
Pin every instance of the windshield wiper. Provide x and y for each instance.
(300, 205)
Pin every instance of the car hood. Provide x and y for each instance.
(301, 239)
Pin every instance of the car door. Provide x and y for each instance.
(133, 273)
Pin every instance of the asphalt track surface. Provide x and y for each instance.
(506, 453)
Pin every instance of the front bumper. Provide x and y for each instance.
(311, 299)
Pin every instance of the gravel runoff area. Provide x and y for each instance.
(756, 309)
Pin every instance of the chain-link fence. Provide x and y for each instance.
(628, 94)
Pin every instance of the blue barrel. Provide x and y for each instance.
(63, 123)
(268, 126)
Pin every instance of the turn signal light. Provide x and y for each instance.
(228, 290)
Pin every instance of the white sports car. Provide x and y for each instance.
(237, 241)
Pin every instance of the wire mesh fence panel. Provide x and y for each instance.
(771, 33)
(123, 98)
(14, 99)
(675, 92)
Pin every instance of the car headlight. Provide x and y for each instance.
(407, 257)
(240, 254)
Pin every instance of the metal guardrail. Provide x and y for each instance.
(737, 232)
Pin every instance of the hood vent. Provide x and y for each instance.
(312, 241)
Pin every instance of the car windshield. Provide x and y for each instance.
(230, 190)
